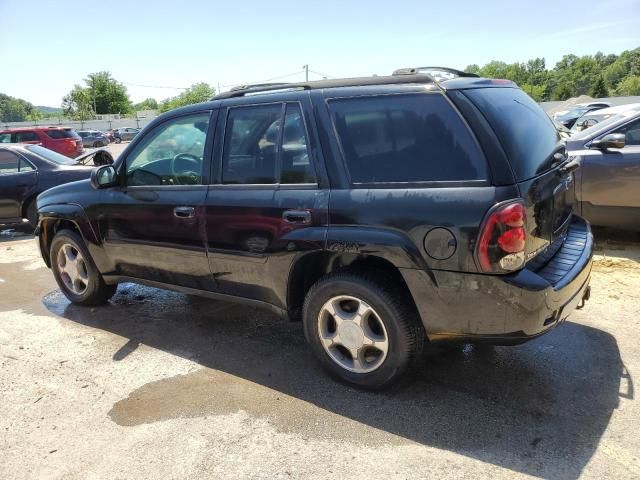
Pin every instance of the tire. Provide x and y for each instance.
(89, 287)
(32, 214)
(389, 315)
(118, 140)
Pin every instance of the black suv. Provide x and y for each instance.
(381, 211)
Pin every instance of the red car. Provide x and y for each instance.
(62, 140)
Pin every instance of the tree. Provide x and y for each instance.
(15, 109)
(107, 94)
(599, 89)
(562, 92)
(101, 94)
(200, 92)
(630, 85)
(77, 104)
(146, 104)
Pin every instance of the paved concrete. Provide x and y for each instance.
(163, 385)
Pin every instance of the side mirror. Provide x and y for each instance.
(613, 140)
(104, 177)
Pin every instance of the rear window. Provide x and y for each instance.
(58, 134)
(526, 133)
(406, 138)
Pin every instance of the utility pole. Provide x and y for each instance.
(306, 72)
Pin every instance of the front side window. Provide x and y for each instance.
(405, 138)
(171, 154)
(631, 133)
(5, 138)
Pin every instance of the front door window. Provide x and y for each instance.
(171, 154)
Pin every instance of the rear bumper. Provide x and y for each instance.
(505, 309)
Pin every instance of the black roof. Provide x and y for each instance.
(415, 75)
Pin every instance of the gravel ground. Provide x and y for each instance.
(163, 385)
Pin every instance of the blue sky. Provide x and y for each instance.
(47, 46)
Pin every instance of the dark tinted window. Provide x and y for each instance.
(524, 130)
(25, 137)
(9, 162)
(296, 162)
(57, 134)
(5, 138)
(408, 138)
(631, 132)
(251, 144)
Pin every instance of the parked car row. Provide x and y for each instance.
(67, 141)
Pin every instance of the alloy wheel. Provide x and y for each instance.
(352, 334)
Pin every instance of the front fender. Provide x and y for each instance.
(51, 217)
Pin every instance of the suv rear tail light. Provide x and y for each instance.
(502, 240)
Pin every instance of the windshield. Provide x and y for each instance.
(526, 133)
(50, 155)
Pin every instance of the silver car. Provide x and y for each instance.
(608, 182)
(93, 138)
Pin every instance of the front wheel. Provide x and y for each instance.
(75, 272)
(362, 329)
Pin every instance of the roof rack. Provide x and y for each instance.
(433, 72)
(256, 86)
(319, 84)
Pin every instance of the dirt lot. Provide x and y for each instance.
(163, 385)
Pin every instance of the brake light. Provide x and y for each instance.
(502, 241)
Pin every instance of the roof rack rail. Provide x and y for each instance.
(432, 72)
(319, 84)
(256, 85)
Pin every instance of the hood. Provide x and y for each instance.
(66, 193)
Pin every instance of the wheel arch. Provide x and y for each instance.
(309, 268)
(54, 218)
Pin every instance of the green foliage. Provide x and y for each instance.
(15, 109)
(200, 92)
(599, 89)
(146, 104)
(597, 75)
(77, 104)
(100, 94)
(630, 85)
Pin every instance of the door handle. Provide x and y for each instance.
(184, 212)
(297, 216)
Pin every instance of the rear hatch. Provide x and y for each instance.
(64, 140)
(538, 158)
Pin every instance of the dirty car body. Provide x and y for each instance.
(429, 186)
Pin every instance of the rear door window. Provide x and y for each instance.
(9, 163)
(251, 145)
(58, 134)
(26, 137)
(406, 138)
(526, 133)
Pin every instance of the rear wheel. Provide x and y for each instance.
(75, 272)
(362, 329)
(118, 140)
